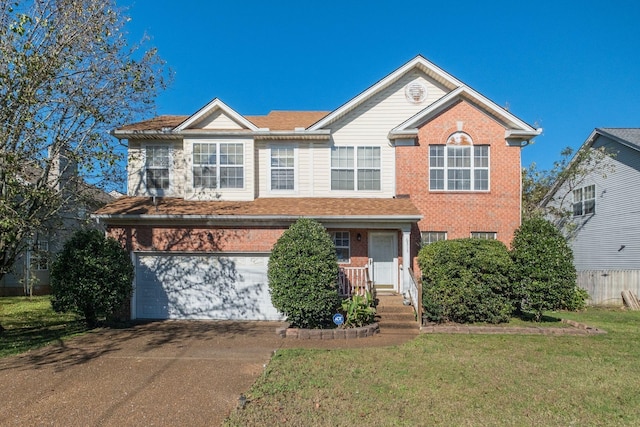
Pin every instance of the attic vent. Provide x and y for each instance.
(415, 92)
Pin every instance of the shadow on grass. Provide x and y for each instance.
(24, 337)
(530, 317)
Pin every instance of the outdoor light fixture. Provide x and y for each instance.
(359, 237)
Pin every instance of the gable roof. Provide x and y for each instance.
(313, 124)
(626, 136)
(517, 129)
(210, 108)
(629, 137)
(419, 62)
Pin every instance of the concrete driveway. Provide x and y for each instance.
(156, 374)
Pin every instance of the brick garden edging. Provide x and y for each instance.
(328, 334)
(577, 329)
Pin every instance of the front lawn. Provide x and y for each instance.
(478, 380)
(31, 323)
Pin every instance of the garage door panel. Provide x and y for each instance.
(203, 287)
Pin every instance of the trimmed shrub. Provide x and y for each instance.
(544, 268)
(303, 271)
(92, 276)
(466, 280)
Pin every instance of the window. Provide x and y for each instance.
(157, 168)
(355, 172)
(584, 200)
(282, 168)
(427, 237)
(218, 165)
(487, 235)
(39, 255)
(341, 241)
(459, 165)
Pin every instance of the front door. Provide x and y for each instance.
(383, 251)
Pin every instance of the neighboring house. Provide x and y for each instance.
(418, 156)
(603, 223)
(30, 273)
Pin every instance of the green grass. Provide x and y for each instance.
(471, 380)
(30, 322)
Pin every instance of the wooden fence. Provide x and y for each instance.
(605, 286)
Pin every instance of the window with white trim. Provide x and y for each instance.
(487, 235)
(218, 165)
(355, 168)
(157, 163)
(39, 255)
(584, 200)
(341, 242)
(459, 165)
(283, 168)
(428, 237)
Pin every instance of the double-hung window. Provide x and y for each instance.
(459, 165)
(584, 200)
(282, 168)
(39, 256)
(157, 162)
(218, 165)
(355, 168)
(341, 242)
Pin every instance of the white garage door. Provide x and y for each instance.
(207, 286)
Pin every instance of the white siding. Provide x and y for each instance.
(312, 167)
(135, 168)
(246, 193)
(216, 120)
(369, 125)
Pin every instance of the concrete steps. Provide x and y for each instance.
(395, 317)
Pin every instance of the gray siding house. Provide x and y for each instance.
(603, 221)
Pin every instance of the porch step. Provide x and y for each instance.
(395, 317)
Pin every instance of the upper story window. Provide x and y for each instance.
(355, 168)
(341, 242)
(218, 165)
(157, 171)
(459, 165)
(283, 168)
(584, 200)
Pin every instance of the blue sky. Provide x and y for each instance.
(565, 66)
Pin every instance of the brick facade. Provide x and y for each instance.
(460, 213)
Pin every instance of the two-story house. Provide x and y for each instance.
(417, 157)
(603, 223)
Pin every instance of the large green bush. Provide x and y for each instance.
(303, 271)
(544, 268)
(466, 280)
(92, 276)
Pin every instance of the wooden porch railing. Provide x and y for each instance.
(354, 281)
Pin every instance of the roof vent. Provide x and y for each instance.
(415, 92)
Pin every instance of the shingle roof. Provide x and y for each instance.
(263, 207)
(287, 120)
(631, 135)
(156, 123)
(275, 120)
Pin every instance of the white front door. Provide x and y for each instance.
(383, 251)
